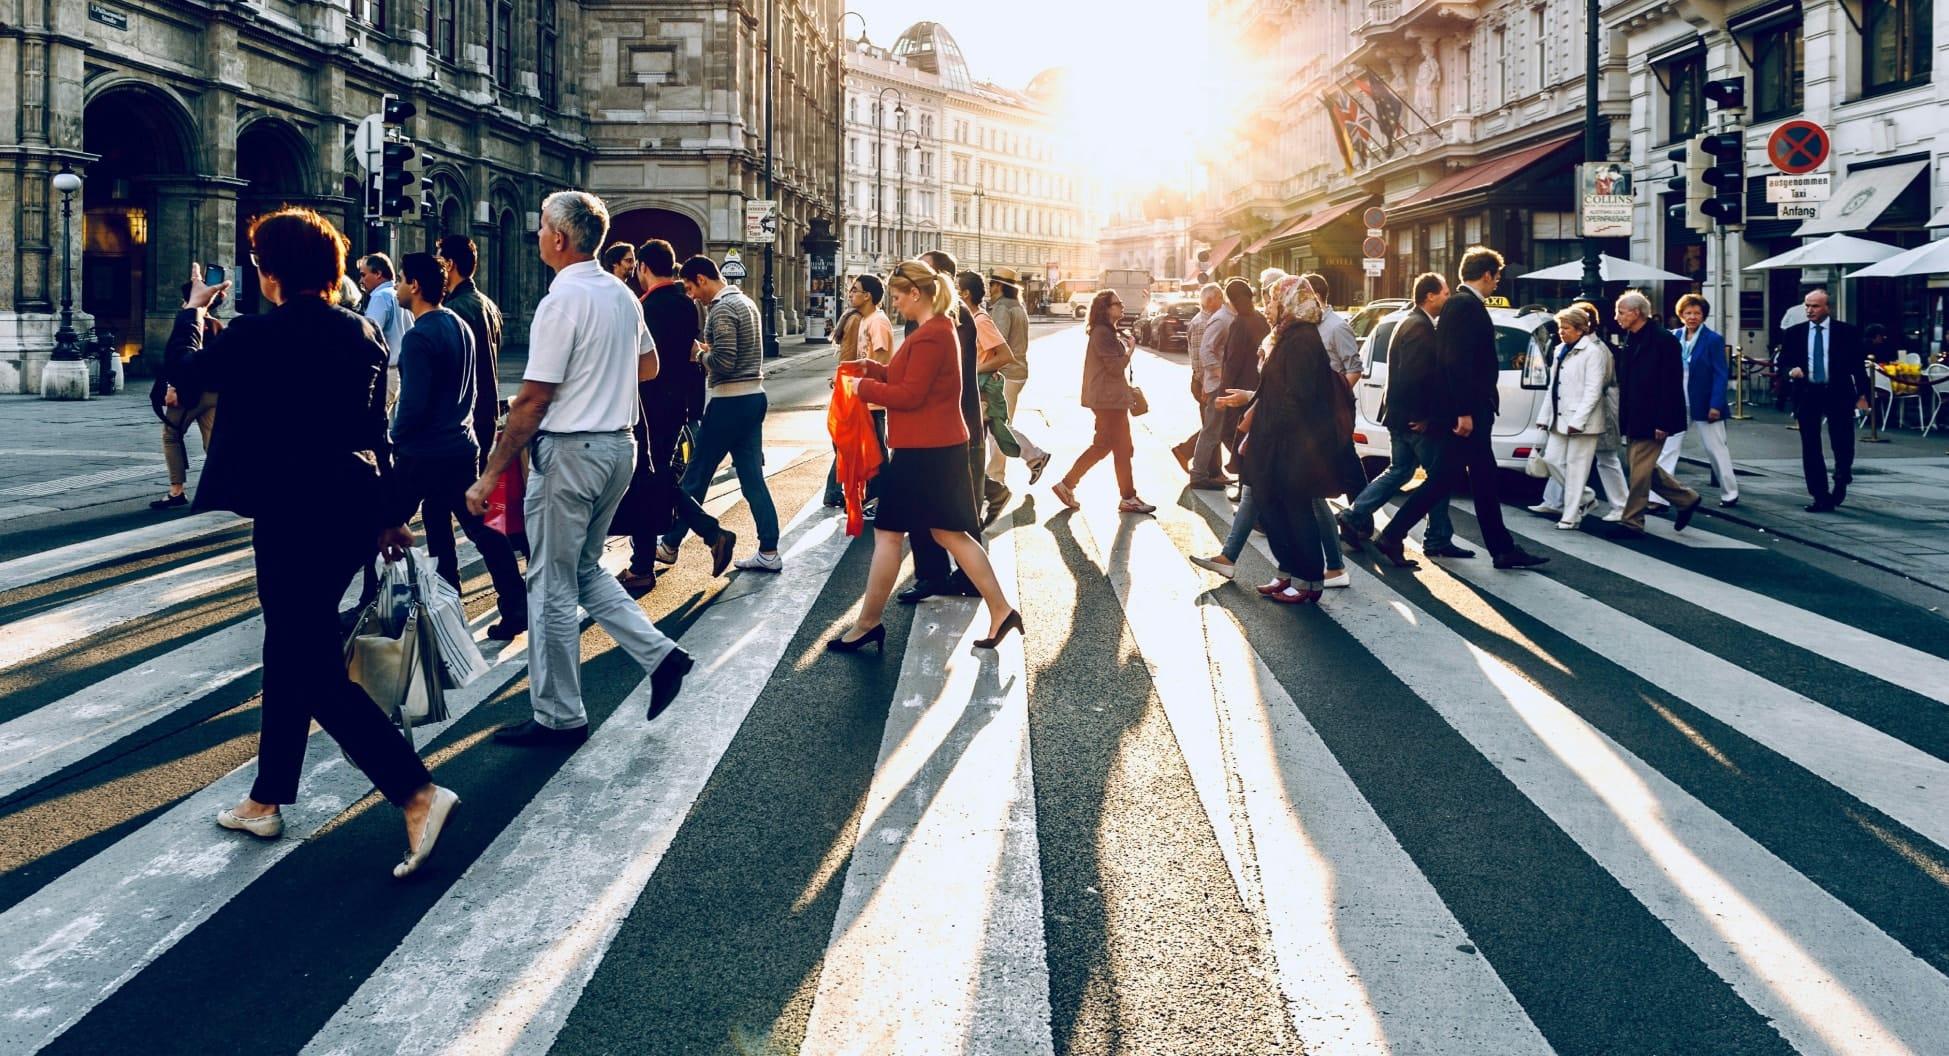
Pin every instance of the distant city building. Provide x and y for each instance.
(186, 122)
(987, 178)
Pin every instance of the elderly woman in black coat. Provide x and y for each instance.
(1300, 416)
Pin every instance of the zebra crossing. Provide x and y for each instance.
(1677, 798)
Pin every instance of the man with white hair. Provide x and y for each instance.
(1650, 408)
(1208, 365)
(588, 348)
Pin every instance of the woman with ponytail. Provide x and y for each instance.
(924, 485)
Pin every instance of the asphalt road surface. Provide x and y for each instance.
(1689, 796)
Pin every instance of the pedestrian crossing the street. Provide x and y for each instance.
(1690, 796)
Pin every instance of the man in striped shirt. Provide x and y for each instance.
(733, 355)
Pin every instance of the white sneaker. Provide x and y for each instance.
(1542, 510)
(1337, 580)
(1616, 515)
(763, 562)
(665, 553)
(1566, 526)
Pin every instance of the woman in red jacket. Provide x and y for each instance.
(924, 485)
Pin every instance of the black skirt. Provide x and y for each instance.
(927, 487)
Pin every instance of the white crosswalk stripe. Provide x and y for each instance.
(942, 939)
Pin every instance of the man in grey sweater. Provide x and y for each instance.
(433, 436)
(733, 355)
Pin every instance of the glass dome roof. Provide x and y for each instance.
(929, 46)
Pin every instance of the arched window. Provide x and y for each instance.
(508, 258)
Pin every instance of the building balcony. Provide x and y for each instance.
(1384, 29)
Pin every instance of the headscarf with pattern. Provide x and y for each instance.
(1293, 301)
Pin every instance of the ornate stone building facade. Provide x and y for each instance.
(986, 176)
(186, 118)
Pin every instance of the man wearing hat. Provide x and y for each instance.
(1005, 307)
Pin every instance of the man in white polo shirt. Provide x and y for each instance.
(587, 349)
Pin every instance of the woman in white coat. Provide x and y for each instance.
(1575, 414)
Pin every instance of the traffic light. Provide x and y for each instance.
(399, 179)
(1690, 182)
(1726, 175)
(1727, 93)
(396, 111)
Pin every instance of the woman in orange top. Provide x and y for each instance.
(924, 485)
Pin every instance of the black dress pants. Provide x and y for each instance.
(303, 565)
(665, 429)
(440, 484)
(1461, 463)
(1831, 404)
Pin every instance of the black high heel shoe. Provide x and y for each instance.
(877, 637)
(1011, 622)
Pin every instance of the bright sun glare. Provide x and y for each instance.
(1143, 102)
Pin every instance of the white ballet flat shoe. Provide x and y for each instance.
(268, 827)
(444, 800)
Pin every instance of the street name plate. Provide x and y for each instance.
(1810, 187)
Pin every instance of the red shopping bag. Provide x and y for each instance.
(504, 502)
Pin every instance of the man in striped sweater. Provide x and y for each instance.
(732, 352)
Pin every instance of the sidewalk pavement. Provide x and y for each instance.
(104, 455)
(1896, 517)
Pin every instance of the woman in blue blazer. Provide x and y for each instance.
(1706, 373)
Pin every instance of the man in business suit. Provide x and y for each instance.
(1411, 356)
(1826, 367)
(1462, 412)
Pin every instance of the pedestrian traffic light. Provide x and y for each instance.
(399, 179)
(395, 111)
(1726, 175)
(1690, 182)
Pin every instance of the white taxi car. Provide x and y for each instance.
(1524, 338)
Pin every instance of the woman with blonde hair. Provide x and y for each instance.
(924, 484)
(1108, 394)
(1574, 413)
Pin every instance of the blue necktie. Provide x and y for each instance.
(1819, 366)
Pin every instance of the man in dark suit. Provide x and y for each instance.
(1461, 404)
(1826, 368)
(1411, 384)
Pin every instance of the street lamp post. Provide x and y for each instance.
(67, 344)
(66, 376)
(1594, 147)
(769, 295)
(906, 158)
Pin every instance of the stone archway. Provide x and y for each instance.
(138, 204)
(637, 226)
(274, 161)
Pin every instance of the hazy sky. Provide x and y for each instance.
(1010, 41)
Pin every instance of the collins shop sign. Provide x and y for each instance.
(1606, 199)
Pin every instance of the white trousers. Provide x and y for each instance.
(1712, 436)
(1570, 459)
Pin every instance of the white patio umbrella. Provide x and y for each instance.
(1831, 251)
(1609, 268)
(1931, 258)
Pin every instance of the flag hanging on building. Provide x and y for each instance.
(1350, 129)
(1385, 105)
